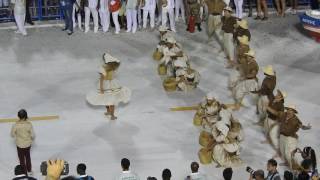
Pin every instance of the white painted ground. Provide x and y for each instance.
(49, 73)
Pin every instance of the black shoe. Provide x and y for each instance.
(250, 14)
(257, 18)
(70, 33)
(64, 29)
(31, 23)
(264, 18)
(199, 27)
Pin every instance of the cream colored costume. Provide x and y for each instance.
(113, 93)
(210, 116)
(227, 150)
(187, 79)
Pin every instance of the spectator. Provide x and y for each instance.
(20, 174)
(81, 170)
(19, 15)
(239, 9)
(54, 169)
(67, 8)
(272, 170)
(166, 174)
(168, 10)
(114, 7)
(258, 175)
(104, 15)
(76, 11)
(307, 153)
(131, 11)
(227, 173)
(294, 6)
(288, 175)
(281, 7)
(28, 15)
(195, 175)
(90, 7)
(151, 178)
(22, 132)
(149, 8)
(262, 6)
(303, 176)
(126, 173)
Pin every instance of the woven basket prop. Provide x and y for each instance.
(170, 84)
(197, 120)
(205, 138)
(157, 55)
(205, 156)
(162, 69)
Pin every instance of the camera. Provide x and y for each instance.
(250, 170)
(44, 166)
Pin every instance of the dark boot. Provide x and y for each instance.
(199, 27)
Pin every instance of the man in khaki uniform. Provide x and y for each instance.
(289, 126)
(215, 9)
(250, 81)
(266, 91)
(228, 27)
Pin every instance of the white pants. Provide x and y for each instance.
(271, 128)
(165, 13)
(151, 14)
(94, 13)
(261, 105)
(131, 20)
(74, 17)
(115, 19)
(287, 145)
(239, 10)
(104, 19)
(20, 18)
(228, 45)
(179, 6)
(244, 87)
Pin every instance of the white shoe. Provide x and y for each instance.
(95, 30)
(30, 173)
(128, 31)
(17, 32)
(288, 10)
(86, 30)
(294, 11)
(117, 32)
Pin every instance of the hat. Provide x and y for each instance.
(250, 53)
(108, 58)
(171, 40)
(163, 29)
(180, 63)
(181, 72)
(243, 40)
(292, 107)
(243, 23)
(210, 95)
(228, 8)
(190, 74)
(222, 127)
(268, 70)
(282, 93)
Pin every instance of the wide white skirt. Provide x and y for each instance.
(113, 94)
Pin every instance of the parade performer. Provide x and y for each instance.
(215, 9)
(241, 29)
(187, 79)
(109, 92)
(250, 81)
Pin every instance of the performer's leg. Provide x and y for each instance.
(113, 117)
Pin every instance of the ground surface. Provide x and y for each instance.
(49, 73)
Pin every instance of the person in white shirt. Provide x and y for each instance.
(91, 8)
(20, 15)
(167, 9)
(180, 8)
(195, 175)
(149, 8)
(126, 173)
(104, 15)
(131, 11)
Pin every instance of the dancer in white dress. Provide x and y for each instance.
(109, 92)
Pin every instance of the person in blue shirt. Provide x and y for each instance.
(81, 170)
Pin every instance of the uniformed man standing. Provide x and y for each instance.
(228, 27)
(215, 9)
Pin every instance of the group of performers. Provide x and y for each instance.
(174, 64)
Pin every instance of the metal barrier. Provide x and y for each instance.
(50, 9)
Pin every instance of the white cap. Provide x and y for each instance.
(190, 75)
(171, 40)
(210, 95)
(180, 63)
(108, 58)
(181, 72)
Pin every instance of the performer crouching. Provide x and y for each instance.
(109, 93)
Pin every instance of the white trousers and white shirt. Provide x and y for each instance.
(168, 10)
(131, 11)
(104, 15)
(115, 19)
(128, 175)
(239, 9)
(76, 8)
(149, 9)
(20, 15)
(91, 9)
(179, 5)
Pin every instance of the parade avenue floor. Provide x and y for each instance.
(49, 73)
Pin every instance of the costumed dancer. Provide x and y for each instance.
(250, 81)
(289, 126)
(271, 123)
(228, 27)
(241, 29)
(109, 93)
(265, 92)
(215, 10)
(187, 79)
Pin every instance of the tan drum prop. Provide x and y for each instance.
(162, 69)
(197, 120)
(170, 84)
(157, 55)
(205, 138)
(205, 156)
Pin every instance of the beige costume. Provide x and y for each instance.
(113, 93)
(187, 79)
